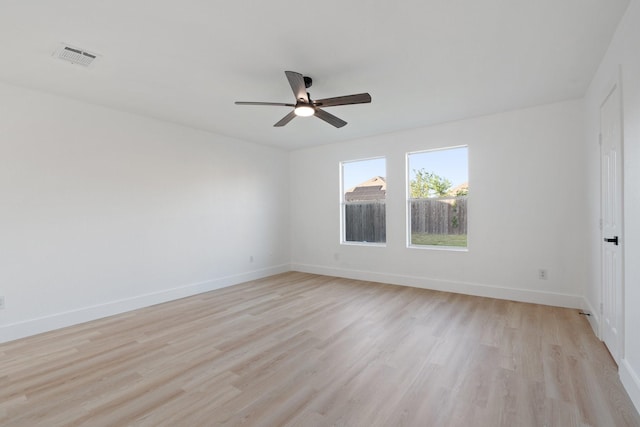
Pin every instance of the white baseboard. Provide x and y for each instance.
(631, 382)
(594, 318)
(477, 289)
(39, 325)
(35, 326)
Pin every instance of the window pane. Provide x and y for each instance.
(437, 203)
(364, 190)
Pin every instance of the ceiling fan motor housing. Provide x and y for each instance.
(307, 82)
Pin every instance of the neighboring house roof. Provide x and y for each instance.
(372, 189)
(462, 187)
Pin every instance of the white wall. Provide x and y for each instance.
(623, 55)
(526, 203)
(103, 211)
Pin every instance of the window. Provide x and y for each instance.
(363, 194)
(437, 192)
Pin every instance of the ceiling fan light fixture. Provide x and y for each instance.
(304, 111)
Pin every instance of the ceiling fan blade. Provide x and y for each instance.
(281, 104)
(360, 98)
(296, 80)
(286, 119)
(329, 118)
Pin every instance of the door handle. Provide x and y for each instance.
(614, 240)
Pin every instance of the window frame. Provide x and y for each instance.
(408, 200)
(342, 205)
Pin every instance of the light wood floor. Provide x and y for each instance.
(307, 350)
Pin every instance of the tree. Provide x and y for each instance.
(462, 192)
(428, 184)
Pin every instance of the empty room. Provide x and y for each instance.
(412, 213)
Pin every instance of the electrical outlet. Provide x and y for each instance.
(542, 274)
(1, 303)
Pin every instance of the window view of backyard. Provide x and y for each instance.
(437, 192)
(364, 190)
(438, 187)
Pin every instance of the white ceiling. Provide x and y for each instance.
(422, 61)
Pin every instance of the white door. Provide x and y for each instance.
(611, 198)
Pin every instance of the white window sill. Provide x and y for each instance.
(439, 248)
(378, 245)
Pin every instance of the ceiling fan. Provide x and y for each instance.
(306, 107)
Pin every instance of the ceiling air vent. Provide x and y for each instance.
(75, 55)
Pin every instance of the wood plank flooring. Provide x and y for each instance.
(305, 350)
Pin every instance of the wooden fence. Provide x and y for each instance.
(447, 215)
(365, 221)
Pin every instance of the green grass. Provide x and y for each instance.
(459, 240)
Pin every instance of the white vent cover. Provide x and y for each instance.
(75, 55)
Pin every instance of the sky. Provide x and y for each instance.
(449, 163)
